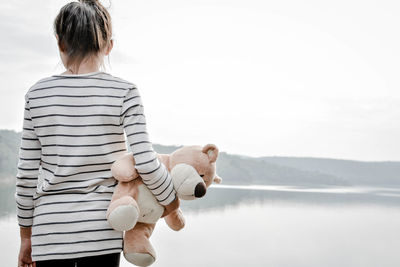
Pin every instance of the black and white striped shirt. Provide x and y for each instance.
(73, 130)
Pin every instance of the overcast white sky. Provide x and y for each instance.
(256, 77)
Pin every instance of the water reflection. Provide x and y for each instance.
(223, 196)
(220, 197)
(285, 235)
(268, 226)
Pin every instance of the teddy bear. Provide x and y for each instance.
(135, 210)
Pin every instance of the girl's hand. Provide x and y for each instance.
(25, 250)
(24, 257)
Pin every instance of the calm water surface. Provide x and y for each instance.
(279, 227)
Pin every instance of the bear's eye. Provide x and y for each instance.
(201, 175)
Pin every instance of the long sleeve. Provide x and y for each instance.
(154, 173)
(27, 170)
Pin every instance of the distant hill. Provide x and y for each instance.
(9, 145)
(355, 172)
(237, 169)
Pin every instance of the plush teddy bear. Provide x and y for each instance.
(135, 210)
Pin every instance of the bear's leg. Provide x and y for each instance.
(123, 211)
(175, 220)
(137, 247)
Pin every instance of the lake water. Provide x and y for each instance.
(272, 226)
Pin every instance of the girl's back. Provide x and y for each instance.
(73, 130)
(74, 126)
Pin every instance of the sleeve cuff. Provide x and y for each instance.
(24, 221)
(172, 196)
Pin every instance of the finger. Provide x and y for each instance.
(34, 264)
(25, 263)
(165, 213)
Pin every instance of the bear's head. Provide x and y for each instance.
(193, 170)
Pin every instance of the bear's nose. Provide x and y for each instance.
(200, 190)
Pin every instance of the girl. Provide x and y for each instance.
(73, 130)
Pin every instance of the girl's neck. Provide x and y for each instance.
(88, 66)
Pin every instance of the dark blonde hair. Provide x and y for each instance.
(83, 29)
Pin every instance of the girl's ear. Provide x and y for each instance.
(109, 47)
(58, 43)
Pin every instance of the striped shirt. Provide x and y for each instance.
(73, 130)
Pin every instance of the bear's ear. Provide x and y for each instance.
(212, 152)
(217, 179)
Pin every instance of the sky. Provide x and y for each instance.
(255, 77)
